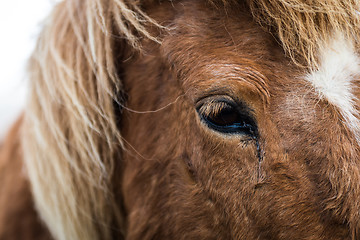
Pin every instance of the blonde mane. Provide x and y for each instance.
(301, 26)
(71, 138)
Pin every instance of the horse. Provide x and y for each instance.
(207, 119)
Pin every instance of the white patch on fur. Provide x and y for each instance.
(333, 80)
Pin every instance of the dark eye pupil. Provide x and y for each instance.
(225, 117)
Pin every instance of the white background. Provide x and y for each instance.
(20, 23)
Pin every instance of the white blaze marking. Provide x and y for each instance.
(333, 80)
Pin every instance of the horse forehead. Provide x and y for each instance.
(199, 32)
(206, 45)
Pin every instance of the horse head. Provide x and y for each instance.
(196, 120)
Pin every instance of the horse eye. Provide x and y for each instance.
(226, 117)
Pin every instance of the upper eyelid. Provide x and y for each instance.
(218, 98)
(205, 105)
(213, 107)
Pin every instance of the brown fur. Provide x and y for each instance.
(114, 146)
(18, 219)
